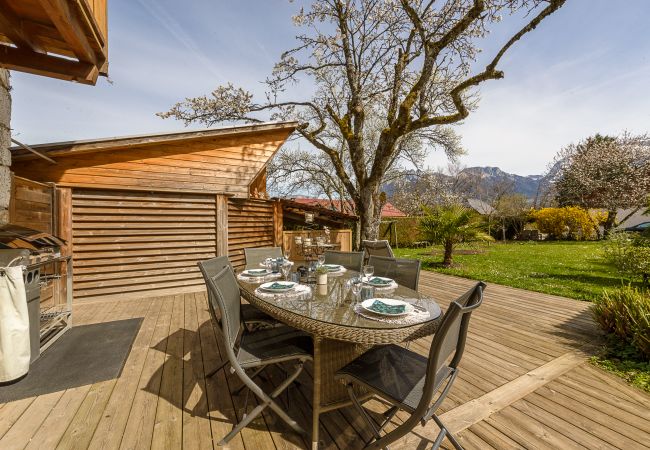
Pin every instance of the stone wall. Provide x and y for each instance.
(5, 143)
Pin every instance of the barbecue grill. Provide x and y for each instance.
(48, 281)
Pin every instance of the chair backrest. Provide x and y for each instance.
(255, 256)
(349, 260)
(449, 340)
(404, 271)
(223, 298)
(377, 248)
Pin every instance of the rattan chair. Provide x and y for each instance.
(349, 260)
(404, 271)
(251, 316)
(408, 380)
(256, 256)
(377, 248)
(253, 350)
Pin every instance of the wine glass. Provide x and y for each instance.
(321, 260)
(368, 271)
(356, 286)
(286, 269)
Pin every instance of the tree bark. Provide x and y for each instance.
(447, 261)
(609, 223)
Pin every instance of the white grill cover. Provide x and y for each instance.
(14, 325)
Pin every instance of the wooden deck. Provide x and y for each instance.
(524, 383)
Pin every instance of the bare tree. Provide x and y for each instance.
(605, 172)
(404, 63)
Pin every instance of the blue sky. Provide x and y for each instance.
(584, 70)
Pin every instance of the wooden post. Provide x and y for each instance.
(221, 225)
(278, 224)
(63, 219)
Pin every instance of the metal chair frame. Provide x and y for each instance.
(225, 293)
(349, 260)
(404, 271)
(448, 340)
(257, 255)
(377, 248)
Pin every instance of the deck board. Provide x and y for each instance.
(162, 398)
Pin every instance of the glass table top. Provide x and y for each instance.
(334, 303)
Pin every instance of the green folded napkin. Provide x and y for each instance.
(380, 281)
(256, 272)
(381, 307)
(277, 285)
(332, 267)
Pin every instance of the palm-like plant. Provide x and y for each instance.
(451, 225)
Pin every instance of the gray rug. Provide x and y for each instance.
(84, 355)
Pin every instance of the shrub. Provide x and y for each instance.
(407, 231)
(630, 254)
(625, 313)
(569, 222)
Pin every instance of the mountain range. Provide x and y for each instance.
(487, 182)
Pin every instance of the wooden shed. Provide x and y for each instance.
(140, 211)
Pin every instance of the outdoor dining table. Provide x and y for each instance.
(340, 330)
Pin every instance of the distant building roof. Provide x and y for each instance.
(480, 206)
(389, 210)
(635, 219)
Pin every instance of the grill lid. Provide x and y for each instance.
(19, 237)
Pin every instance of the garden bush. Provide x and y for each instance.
(407, 231)
(630, 254)
(625, 313)
(569, 222)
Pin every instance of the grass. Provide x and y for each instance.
(570, 269)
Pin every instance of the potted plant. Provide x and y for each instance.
(321, 275)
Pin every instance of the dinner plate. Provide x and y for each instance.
(366, 304)
(389, 281)
(333, 267)
(287, 286)
(256, 272)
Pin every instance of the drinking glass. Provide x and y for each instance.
(321, 260)
(286, 268)
(356, 286)
(368, 271)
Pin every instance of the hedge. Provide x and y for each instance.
(404, 228)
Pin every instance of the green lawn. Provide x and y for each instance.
(570, 269)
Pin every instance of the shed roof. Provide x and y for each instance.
(64, 148)
(229, 160)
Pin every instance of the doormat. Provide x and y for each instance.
(84, 355)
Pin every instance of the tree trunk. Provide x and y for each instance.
(609, 223)
(368, 217)
(5, 143)
(449, 254)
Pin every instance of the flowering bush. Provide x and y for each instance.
(569, 222)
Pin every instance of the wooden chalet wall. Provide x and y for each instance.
(128, 244)
(32, 205)
(251, 223)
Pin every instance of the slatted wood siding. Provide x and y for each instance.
(250, 224)
(129, 244)
(31, 205)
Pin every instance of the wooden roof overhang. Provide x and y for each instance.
(65, 39)
(217, 161)
(295, 212)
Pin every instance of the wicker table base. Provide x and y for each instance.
(329, 356)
